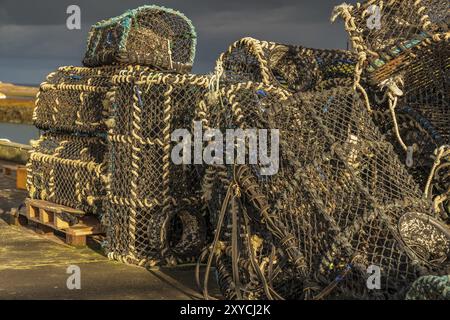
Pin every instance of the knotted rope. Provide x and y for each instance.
(393, 92)
(440, 154)
(344, 11)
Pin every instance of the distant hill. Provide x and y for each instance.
(10, 90)
(17, 103)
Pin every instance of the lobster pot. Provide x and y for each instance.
(294, 68)
(385, 32)
(403, 39)
(405, 43)
(340, 203)
(72, 100)
(149, 35)
(153, 206)
(427, 85)
(67, 170)
(422, 111)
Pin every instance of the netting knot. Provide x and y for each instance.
(237, 190)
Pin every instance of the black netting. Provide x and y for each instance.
(153, 206)
(72, 98)
(340, 203)
(67, 170)
(294, 68)
(362, 136)
(403, 64)
(385, 30)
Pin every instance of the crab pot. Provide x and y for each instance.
(153, 207)
(426, 85)
(388, 30)
(149, 35)
(340, 203)
(71, 100)
(67, 170)
(294, 68)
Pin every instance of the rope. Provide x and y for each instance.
(393, 92)
(344, 11)
(439, 153)
(135, 149)
(166, 168)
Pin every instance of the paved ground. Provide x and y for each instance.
(32, 267)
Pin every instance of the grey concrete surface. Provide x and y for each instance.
(35, 267)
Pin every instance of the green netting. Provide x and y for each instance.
(430, 288)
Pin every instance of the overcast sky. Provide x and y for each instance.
(34, 39)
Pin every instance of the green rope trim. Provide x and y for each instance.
(398, 50)
(126, 19)
(126, 25)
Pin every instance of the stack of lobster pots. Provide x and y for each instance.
(105, 147)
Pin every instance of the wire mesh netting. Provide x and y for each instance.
(153, 208)
(72, 98)
(149, 35)
(340, 203)
(67, 170)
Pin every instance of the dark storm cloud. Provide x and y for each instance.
(34, 39)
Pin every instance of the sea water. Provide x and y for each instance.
(19, 133)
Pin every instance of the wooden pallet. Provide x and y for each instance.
(21, 178)
(9, 170)
(50, 218)
(16, 172)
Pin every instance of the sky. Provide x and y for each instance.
(34, 39)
